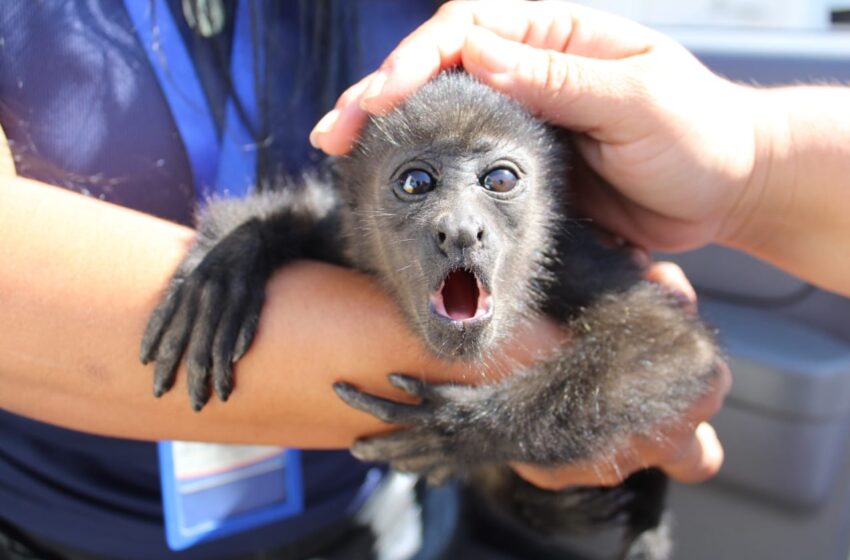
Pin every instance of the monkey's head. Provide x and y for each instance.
(453, 198)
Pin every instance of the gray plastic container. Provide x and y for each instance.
(785, 423)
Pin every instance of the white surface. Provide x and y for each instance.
(782, 14)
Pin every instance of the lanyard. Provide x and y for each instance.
(202, 483)
(221, 165)
(237, 169)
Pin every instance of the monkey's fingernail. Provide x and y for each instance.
(683, 300)
(376, 86)
(324, 126)
(342, 388)
(358, 453)
(223, 391)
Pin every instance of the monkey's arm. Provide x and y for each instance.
(79, 278)
(211, 308)
(636, 360)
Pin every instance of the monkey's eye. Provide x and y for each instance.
(499, 180)
(416, 181)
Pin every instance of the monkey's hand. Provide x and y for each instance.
(210, 312)
(211, 308)
(449, 428)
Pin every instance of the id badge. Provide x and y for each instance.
(212, 490)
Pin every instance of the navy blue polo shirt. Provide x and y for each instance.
(83, 110)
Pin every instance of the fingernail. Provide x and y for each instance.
(493, 53)
(324, 126)
(683, 300)
(640, 257)
(376, 86)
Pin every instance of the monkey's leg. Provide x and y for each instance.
(211, 307)
(637, 360)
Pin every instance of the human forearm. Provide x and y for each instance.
(795, 212)
(78, 279)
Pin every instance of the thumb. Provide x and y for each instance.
(584, 94)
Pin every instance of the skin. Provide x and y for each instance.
(676, 157)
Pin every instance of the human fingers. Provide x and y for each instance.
(602, 471)
(558, 26)
(596, 198)
(609, 208)
(551, 478)
(599, 97)
(336, 131)
(671, 276)
(438, 44)
(701, 460)
(697, 458)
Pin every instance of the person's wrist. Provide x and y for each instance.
(752, 218)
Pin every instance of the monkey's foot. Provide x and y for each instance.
(416, 451)
(436, 445)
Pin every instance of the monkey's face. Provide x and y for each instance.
(458, 236)
(461, 255)
(452, 200)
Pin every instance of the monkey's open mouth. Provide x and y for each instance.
(461, 297)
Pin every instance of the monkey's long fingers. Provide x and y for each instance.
(440, 474)
(410, 385)
(436, 469)
(418, 465)
(159, 321)
(251, 317)
(225, 340)
(199, 354)
(404, 446)
(387, 410)
(173, 341)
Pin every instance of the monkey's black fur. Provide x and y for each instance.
(636, 358)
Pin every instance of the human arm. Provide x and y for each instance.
(687, 157)
(796, 210)
(78, 280)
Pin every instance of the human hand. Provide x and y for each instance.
(675, 144)
(688, 451)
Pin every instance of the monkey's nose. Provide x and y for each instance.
(459, 236)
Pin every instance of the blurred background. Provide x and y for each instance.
(763, 14)
(784, 491)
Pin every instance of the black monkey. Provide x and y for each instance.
(455, 201)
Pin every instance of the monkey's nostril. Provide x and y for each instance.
(480, 234)
(441, 237)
